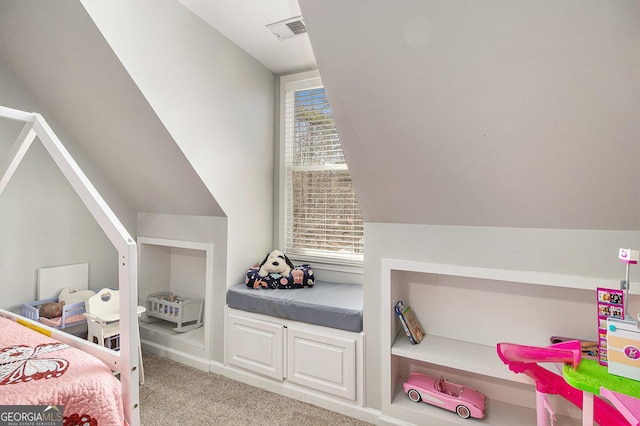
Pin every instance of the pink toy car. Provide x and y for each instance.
(465, 401)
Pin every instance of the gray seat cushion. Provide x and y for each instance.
(334, 305)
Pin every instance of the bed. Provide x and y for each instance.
(125, 362)
(38, 370)
(51, 281)
(327, 304)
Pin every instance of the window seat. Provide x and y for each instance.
(334, 305)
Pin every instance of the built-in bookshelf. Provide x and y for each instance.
(465, 312)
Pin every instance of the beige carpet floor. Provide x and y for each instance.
(175, 394)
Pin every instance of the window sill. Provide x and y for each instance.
(323, 263)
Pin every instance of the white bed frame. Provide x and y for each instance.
(54, 279)
(125, 361)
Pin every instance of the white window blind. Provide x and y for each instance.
(321, 214)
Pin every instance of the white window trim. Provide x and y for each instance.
(291, 82)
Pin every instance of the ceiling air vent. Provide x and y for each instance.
(288, 28)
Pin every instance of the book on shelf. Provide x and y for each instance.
(409, 322)
(398, 308)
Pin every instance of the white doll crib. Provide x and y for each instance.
(185, 312)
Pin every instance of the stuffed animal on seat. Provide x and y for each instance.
(276, 262)
(277, 271)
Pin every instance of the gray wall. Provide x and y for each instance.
(491, 113)
(43, 222)
(173, 113)
(62, 58)
(497, 134)
(214, 99)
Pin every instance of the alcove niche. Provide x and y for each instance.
(183, 268)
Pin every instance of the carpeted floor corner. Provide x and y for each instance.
(175, 394)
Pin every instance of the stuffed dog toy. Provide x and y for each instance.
(276, 262)
(277, 271)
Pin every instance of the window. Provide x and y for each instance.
(320, 218)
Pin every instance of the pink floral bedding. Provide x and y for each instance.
(38, 370)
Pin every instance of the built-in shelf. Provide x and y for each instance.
(497, 413)
(469, 309)
(193, 338)
(465, 356)
(184, 268)
(515, 276)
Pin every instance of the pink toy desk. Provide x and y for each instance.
(583, 374)
(594, 379)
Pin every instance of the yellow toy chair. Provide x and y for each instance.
(103, 322)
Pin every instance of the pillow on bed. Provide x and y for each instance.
(71, 296)
(300, 276)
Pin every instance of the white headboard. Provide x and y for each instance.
(52, 280)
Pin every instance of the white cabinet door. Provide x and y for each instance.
(322, 362)
(256, 345)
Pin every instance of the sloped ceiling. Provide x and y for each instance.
(244, 22)
(491, 113)
(61, 57)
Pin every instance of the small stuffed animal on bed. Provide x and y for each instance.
(276, 262)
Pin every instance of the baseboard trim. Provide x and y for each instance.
(299, 393)
(178, 356)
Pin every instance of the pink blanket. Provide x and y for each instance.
(38, 370)
(57, 321)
